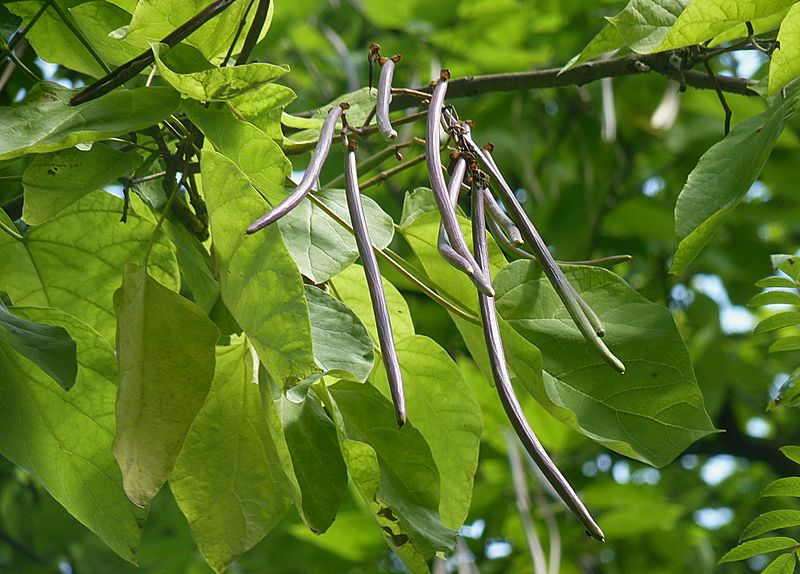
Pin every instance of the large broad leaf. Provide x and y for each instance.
(393, 470)
(316, 459)
(218, 84)
(64, 438)
(165, 351)
(263, 107)
(721, 179)
(259, 281)
(704, 19)
(46, 122)
(785, 64)
(350, 286)
(152, 21)
(341, 343)
(320, 245)
(755, 547)
(228, 480)
(62, 265)
(50, 348)
(442, 406)
(54, 181)
(652, 412)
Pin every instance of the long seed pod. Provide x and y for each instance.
(385, 98)
(434, 161)
(309, 177)
(589, 327)
(508, 398)
(496, 213)
(374, 283)
(443, 245)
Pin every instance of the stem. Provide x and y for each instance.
(66, 17)
(15, 61)
(386, 174)
(24, 32)
(160, 222)
(238, 33)
(250, 41)
(721, 96)
(12, 232)
(375, 160)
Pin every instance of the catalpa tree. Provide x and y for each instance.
(454, 336)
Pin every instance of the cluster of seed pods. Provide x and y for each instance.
(474, 167)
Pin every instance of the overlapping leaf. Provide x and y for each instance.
(785, 64)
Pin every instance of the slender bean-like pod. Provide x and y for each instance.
(385, 98)
(309, 177)
(588, 326)
(443, 245)
(496, 213)
(508, 398)
(374, 283)
(434, 161)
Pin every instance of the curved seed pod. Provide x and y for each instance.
(385, 98)
(434, 161)
(442, 244)
(309, 177)
(375, 284)
(508, 398)
(569, 296)
(496, 213)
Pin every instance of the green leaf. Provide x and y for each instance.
(218, 84)
(442, 406)
(761, 27)
(652, 412)
(784, 65)
(165, 351)
(228, 480)
(792, 452)
(778, 321)
(58, 263)
(54, 181)
(704, 19)
(788, 395)
(606, 40)
(259, 282)
(321, 246)
(263, 107)
(643, 24)
(154, 20)
(49, 348)
(45, 121)
(774, 298)
(721, 179)
(341, 343)
(770, 521)
(785, 344)
(755, 547)
(64, 438)
(789, 486)
(393, 470)
(789, 264)
(254, 153)
(783, 564)
(768, 282)
(316, 459)
(350, 286)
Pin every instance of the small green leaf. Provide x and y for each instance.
(350, 286)
(165, 351)
(442, 406)
(784, 65)
(218, 84)
(45, 121)
(263, 107)
(49, 348)
(228, 480)
(770, 521)
(789, 264)
(789, 486)
(778, 321)
(259, 282)
(321, 246)
(783, 564)
(774, 298)
(788, 395)
(721, 179)
(72, 432)
(393, 470)
(785, 344)
(54, 181)
(783, 282)
(755, 547)
(341, 343)
(316, 459)
(792, 452)
(606, 40)
(704, 19)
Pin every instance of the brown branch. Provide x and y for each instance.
(629, 65)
